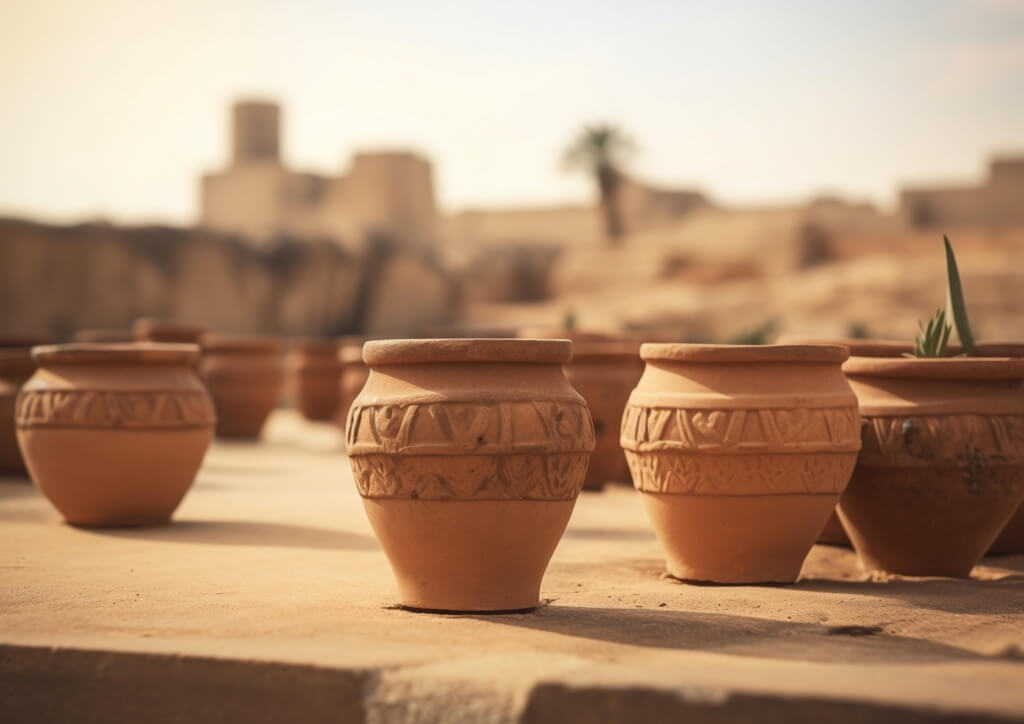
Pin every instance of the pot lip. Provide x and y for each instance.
(859, 347)
(253, 343)
(999, 348)
(131, 353)
(484, 349)
(936, 368)
(802, 353)
(613, 351)
(150, 325)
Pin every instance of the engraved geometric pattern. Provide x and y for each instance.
(964, 440)
(532, 476)
(683, 473)
(509, 450)
(447, 428)
(96, 408)
(731, 432)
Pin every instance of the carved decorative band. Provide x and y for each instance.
(964, 440)
(731, 432)
(95, 408)
(446, 428)
(768, 474)
(556, 476)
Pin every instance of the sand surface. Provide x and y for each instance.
(271, 559)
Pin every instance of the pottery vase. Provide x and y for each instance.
(16, 366)
(354, 373)
(313, 372)
(151, 329)
(244, 375)
(605, 373)
(942, 466)
(740, 454)
(1011, 540)
(469, 455)
(114, 434)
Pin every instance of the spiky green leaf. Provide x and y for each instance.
(955, 300)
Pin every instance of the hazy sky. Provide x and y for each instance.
(113, 107)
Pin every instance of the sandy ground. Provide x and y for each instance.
(271, 559)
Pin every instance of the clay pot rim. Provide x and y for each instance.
(999, 348)
(243, 343)
(131, 353)
(859, 347)
(729, 353)
(144, 325)
(16, 357)
(613, 351)
(936, 368)
(498, 349)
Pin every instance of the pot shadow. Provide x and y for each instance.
(237, 469)
(951, 595)
(246, 533)
(734, 635)
(12, 486)
(609, 534)
(1012, 562)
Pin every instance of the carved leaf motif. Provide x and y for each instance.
(92, 408)
(955, 439)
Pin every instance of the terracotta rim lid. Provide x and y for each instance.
(412, 351)
(240, 343)
(999, 348)
(745, 352)
(937, 368)
(127, 353)
(315, 345)
(612, 351)
(16, 357)
(858, 347)
(150, 325)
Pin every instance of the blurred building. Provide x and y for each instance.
(999, 201)
(258, 197)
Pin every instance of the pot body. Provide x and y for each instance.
(16, 367)
(244, 377)
(114, 434)
(352, 378)
(740, 454)
(469, 456)
(604, 373)
(942, 467)
(313, 372)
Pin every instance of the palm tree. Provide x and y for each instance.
(602, 150)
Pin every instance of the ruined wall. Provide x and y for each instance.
(999, 202)
(64, 278)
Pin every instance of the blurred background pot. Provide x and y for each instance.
(469, 456)
(151, 329)
(103, 336)
(244, 375)
(313, 372)
(354, 373)
(114, 434)
(740, 454)
(941, 471)
(16, 366)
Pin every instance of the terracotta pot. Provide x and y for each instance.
(313, 371)
(740, 454)
(858, 347)
(149, 329)
(16, 366)
(244, 375)
(1011, 539)
(605, 373)
(469, 456)
(114, 434)
(942, 467)
(103, 336)
(354, 373)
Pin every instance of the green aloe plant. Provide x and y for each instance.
(933, 337)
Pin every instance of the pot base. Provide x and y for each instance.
(468, 556)
(1011, 540)
(737, 539)
(928, 521)
(114, 478)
